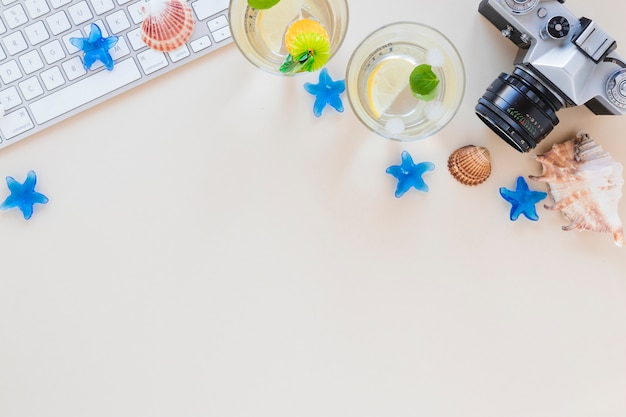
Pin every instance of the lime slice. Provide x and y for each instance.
(385, 84)
(273, 23)
(423, 82)
(262, 4)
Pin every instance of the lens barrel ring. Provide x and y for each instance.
(519, 108)
(528, 91)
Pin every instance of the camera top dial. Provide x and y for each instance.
(616, 88)
(521, 6)
(558, 27)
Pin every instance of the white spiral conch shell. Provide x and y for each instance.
(167, 24)
(585, 183)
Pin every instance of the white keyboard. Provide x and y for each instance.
(42, 78)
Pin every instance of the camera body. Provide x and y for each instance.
(562, 61)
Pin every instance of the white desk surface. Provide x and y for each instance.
(229, 254)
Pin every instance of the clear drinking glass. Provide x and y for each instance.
(377, 81)
(259, 34)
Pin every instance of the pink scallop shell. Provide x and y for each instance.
(167, 24)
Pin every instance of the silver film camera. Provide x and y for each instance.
(562, 61)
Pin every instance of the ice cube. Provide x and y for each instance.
(434, 110)
(435, 58)
(394, 126)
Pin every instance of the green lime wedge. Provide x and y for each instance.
(423, 82)
(262, 4)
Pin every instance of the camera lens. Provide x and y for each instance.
(519, 108)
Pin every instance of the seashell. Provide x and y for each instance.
(470, 165)
(167, 24)
(585, 183)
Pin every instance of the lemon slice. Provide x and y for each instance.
(385, 84)
(273, 22)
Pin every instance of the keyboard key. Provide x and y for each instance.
(120, 49)
(151, 61)
(134, 36)
(15, 123)
(200, 43)
(207, 8)
(66, 41)
(58, 3)
(36, 33)
(36, 8)
(2, 54)
(135, 12)
(102, 6)
(222, 34)
(2, 27)
(10, 72)
(53, 52)
(80, 13)
(118, 21)
(74, 68)
(14, 43)
(31, 88)
(58, 22)
(217, 23)
(84, 91)
(15, 16)
(52, 78)
(10, 98)
(31, 62)
(180, 53)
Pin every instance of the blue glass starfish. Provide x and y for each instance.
(23, 196)
(410, 174)
(96, 48)
(326, 92)
(523, 200)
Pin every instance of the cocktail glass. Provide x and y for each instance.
(377, 81)
(260, 34)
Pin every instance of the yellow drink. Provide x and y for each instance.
(377, 81)
(260, 34)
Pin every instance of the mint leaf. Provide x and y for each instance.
(423, 82)
(262, 4)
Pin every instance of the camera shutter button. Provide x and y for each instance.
(558, 27)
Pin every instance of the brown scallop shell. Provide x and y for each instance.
(470, 165)
(167, 24)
